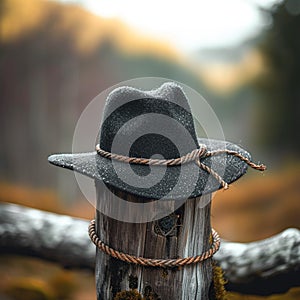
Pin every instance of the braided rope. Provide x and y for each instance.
(195, 156)
(213, 173)
(154, 262)
(155, 162)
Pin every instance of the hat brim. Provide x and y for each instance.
(171, 186)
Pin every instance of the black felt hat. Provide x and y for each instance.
(141, 124)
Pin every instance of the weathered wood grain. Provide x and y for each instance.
(190, 237)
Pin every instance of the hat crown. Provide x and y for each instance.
(145, 123)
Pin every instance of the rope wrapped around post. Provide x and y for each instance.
(195, 156)
(154, 262)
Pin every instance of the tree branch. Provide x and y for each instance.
(264, 267)
(49, 236)
(64, 240)
(265, 258)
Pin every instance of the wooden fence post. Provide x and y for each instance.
(189, 235)
(168, 257)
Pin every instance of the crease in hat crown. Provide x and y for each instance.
(127, 104)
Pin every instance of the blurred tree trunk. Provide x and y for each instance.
(279, 106)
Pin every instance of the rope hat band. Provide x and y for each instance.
(194, 156)
(154, 262)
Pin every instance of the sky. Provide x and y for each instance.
(189, 25)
